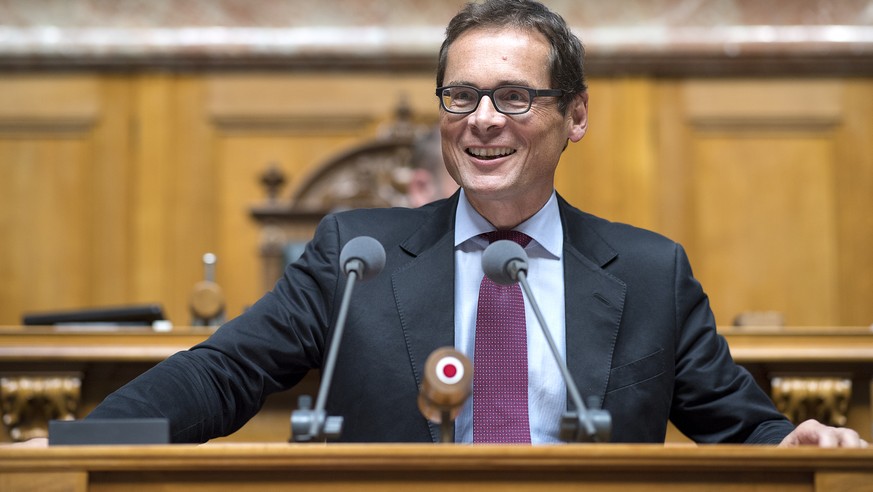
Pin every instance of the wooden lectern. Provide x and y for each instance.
(433, 467)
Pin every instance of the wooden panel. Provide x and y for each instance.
(843, 482)
(312, 103)
(193, 195)
(50, 103)
(110, 189)
(439, 481)
(45, 166)
(764, 225)
(242, 159)
(854, 195)
(45, 260)
(295, 122)
(762, 102)
(63, 151)
(611, 171)
(116, 184)
(429, 467)
(151, 175)
(76, 481)
(749, 187)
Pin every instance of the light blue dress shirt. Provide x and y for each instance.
(547, 395)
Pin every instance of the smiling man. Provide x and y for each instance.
(628, 317)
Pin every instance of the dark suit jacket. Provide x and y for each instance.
(640, 338)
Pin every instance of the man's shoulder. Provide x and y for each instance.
(397, 223)
(614, 233)
(389, 216)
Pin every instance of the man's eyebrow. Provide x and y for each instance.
(519, 82)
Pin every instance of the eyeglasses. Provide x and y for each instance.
(507, 99)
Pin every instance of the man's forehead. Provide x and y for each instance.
(506, 55)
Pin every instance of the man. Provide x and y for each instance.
(429, 179)
(634, 325)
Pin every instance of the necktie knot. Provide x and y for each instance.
(517, 236)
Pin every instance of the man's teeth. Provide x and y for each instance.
(491, 152)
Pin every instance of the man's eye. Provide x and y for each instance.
(513, 96)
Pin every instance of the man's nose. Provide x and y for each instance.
(486, 115)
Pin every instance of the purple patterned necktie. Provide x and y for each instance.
(500, 359)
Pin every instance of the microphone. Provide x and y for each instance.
(364, 256)
(446, 385)
(502, 260)
(505, 262)
(361, 258)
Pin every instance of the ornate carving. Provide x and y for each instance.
(369, 176)
(28, 402)
(822, 398)
(375, 173)
(273, 179)
(372, 174)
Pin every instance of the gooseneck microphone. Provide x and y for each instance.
(505, 262)
(362, 258)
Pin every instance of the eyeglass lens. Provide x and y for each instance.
(511, 100)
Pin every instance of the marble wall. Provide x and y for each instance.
(228, 31)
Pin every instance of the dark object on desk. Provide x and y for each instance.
(132, 315)
(109, 431)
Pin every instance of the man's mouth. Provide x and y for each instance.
(490, 153)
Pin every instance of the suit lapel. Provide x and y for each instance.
(594, 304)
(424, 290)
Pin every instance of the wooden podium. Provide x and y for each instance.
(419, 467)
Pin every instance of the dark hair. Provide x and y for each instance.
(566, 53)
(427, 151)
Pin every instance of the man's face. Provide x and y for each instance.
(502, 160)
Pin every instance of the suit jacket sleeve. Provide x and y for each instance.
(215, 387)
(714, 399)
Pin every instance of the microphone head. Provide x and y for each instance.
(502, 261)
(446, 383)
(364, 255)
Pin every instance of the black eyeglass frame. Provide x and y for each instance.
(533, 93)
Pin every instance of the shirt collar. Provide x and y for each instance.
(544, 227)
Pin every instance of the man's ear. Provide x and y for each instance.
(578, 115)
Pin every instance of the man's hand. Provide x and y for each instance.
(814, 433)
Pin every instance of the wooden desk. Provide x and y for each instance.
(818, 345)
(811, 372)
(103, 361)
(748, 344)
(106, 360)
(249, 467)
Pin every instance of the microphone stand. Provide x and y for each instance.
(583, 425)
(308, 424)
(361, 258)
(447, 427)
